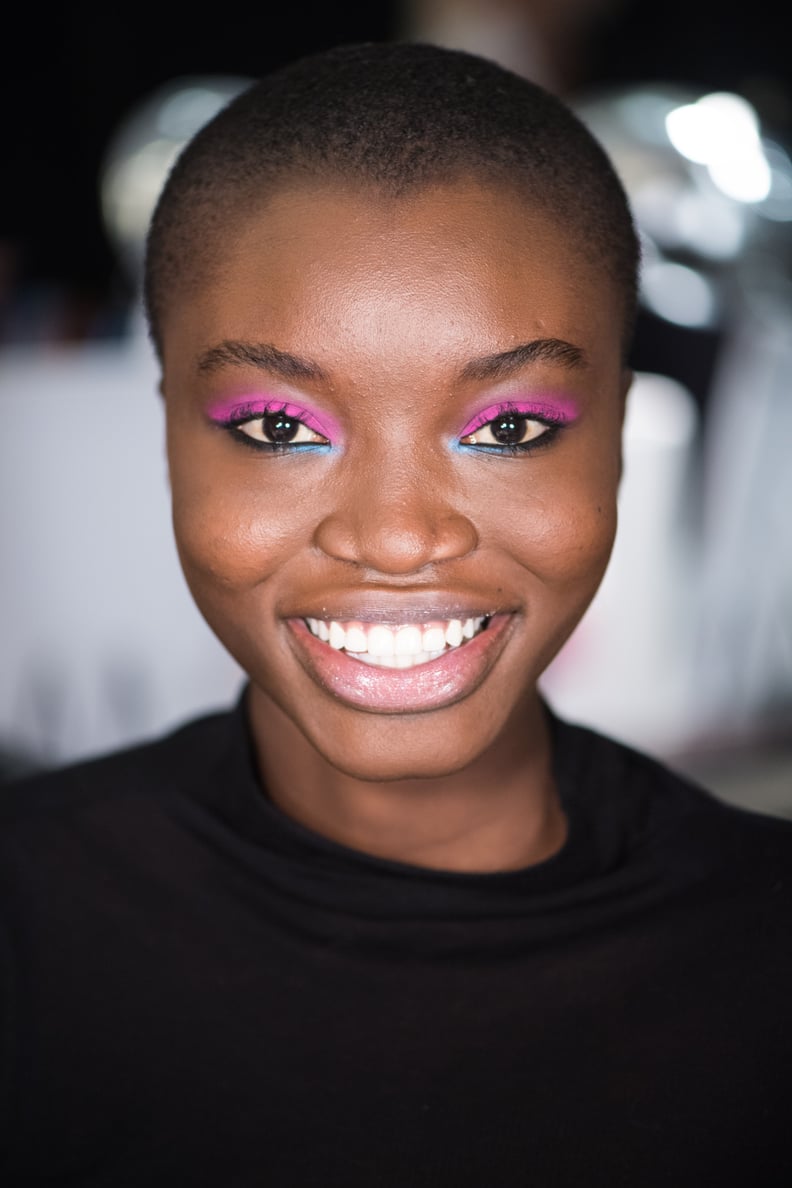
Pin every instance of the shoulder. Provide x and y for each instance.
(151, 769)
(99, 842)
(670, 817)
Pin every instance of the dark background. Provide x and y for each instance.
(69, 78)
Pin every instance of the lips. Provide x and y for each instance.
(407, 667)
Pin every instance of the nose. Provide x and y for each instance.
(395, 524)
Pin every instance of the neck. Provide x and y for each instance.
(501, 812)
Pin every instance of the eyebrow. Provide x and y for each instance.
(262, 355)
(506, 363)
(287, 366)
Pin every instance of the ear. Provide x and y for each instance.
(627, 377)
(161, 392)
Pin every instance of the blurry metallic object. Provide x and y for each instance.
(140, 154)
(721, 131)
(712, 193)
(744, 643)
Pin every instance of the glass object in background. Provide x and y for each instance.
(712, 193)
(101, 642)
(143, 149)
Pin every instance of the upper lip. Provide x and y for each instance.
(398, 609)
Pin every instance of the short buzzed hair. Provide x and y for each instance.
(393, 117)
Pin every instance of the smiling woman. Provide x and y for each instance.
(390, 920)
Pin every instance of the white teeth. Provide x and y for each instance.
(337, 637)
(453, 633)
(355, 639)
(399, 661)
(401, 647)
(407, 641)
(380, 641)
(434, 639)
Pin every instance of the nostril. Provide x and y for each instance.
(458, 537)
(397, 542)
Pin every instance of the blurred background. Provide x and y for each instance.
(687, 649)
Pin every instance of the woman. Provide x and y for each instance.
(390, 921)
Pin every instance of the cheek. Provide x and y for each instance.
(232, 531)
(561, 524)
(576, 537)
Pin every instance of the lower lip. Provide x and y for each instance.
(432, 685)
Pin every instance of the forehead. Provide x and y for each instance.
(369, 281)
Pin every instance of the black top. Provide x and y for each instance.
(199, 991)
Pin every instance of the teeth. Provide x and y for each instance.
(434, 639)
(337, 637)
(453, 633)
(408, 641)
(398, 661)
(401, 647)
(380, 642)
(355, 639)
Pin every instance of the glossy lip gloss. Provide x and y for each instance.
(247, 406)
(428, 686)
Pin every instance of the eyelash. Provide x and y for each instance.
(553, 426)
(247, 414)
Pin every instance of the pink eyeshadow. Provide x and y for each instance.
(240, 408)
(555, 409)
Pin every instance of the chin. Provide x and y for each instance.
(402, 761)
(384, 748)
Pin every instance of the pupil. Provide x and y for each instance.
(279, 428)
(509, 429)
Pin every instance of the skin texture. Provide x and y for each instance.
(395, 520)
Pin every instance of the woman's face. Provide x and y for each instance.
(394, 445)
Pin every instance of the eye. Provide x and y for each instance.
(279, 429)
(507, 430)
